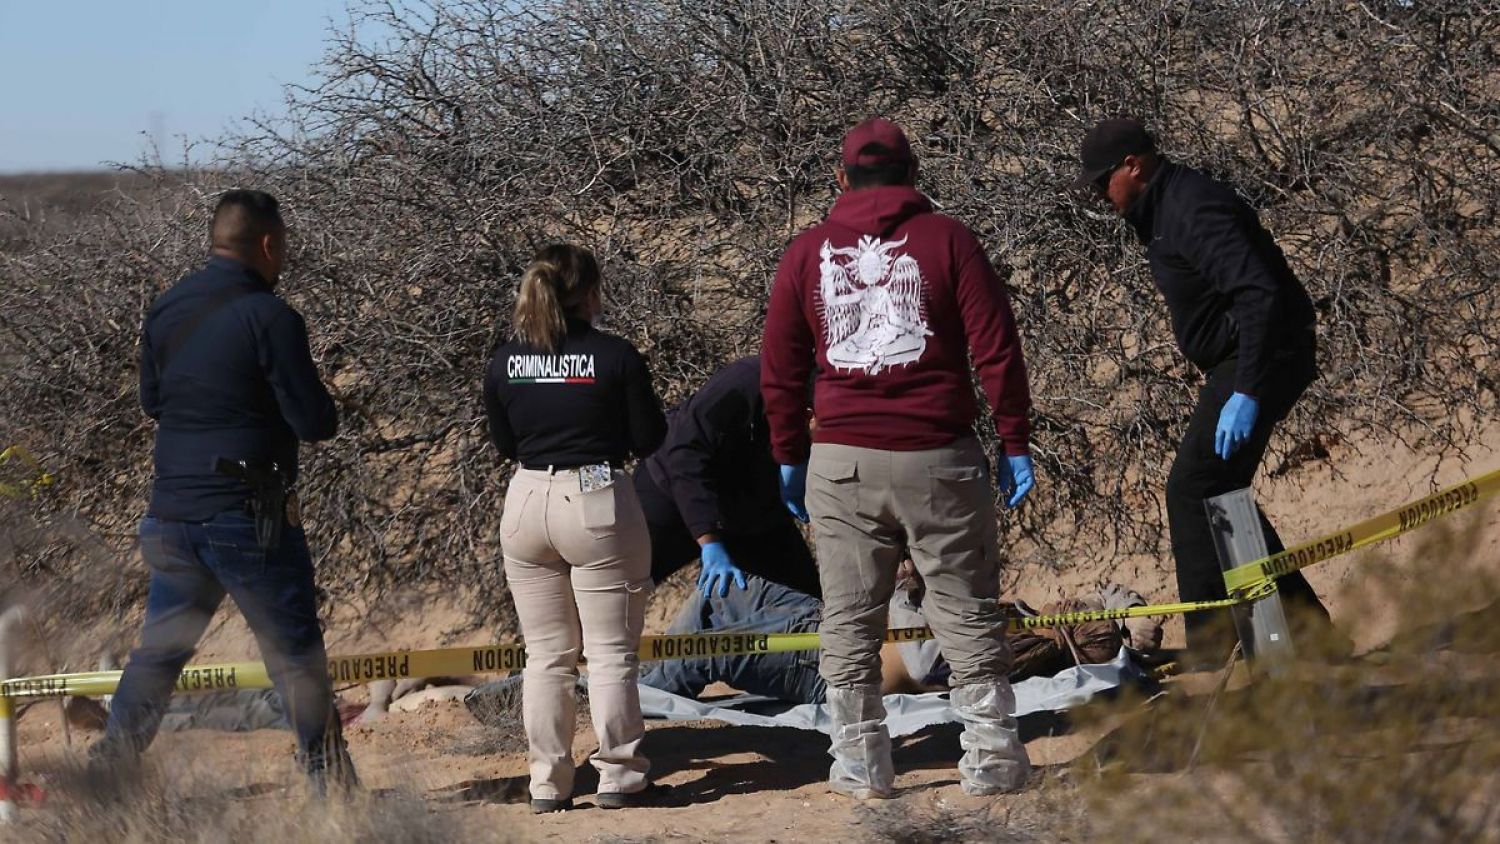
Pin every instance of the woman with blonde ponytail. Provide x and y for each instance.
(571, 404)
(560, 280)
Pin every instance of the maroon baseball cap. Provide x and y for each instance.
(876, 130)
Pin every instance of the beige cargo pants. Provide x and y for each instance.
(579, 569)
(868, 508)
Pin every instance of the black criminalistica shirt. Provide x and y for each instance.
(716, 462)
(1226, 283)
(226, 372)
(591, 402)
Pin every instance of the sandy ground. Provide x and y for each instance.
(753, 784)
(727, 784)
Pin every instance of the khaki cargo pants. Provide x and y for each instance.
(579, 569)
(871, 507)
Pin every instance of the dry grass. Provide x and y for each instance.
(1051, 814)
(188, 802)
(1400, 745)
(499, 713)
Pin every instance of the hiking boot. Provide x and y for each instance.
(620, 800)
(329, 767)
(546, 806)
(112, 765)
(1316, 638)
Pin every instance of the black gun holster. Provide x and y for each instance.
(268, 494)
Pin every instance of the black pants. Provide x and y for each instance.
(778, 553)
(1198, 474)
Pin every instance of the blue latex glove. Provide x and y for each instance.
(717, 570)
(1236, 421)
(794, 489)
(1017, 479)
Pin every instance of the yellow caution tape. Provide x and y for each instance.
(1247, 583)
(1070, 619)
(443, 662)
(1403, 519)
(490, 659)
(29, 488)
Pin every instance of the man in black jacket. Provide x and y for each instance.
(1242, 317)
(227, 374)
(712, 491)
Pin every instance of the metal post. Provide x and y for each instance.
(10, 767)
(1238, 538)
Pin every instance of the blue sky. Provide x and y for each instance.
(89, 81)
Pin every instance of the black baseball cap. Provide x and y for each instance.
(1107, 144)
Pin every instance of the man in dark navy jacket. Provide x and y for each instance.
(1242, 317)
(227, 374)
(713, 491)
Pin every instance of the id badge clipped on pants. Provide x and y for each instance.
(595, 477)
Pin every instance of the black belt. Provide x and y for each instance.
(560, 467)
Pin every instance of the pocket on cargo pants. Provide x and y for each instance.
(833, 500)
(958, 493)
(957, 531)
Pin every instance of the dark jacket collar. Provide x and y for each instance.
(1142, 213)
(227, 264)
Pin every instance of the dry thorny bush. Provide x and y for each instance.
(687, 141)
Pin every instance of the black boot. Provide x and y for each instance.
(329, 765)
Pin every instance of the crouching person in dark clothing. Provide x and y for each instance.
(227, 374)
(713, 492)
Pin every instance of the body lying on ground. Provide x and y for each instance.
(767, 607)
(763, 606)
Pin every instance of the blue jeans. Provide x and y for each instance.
(762, 607)
(193, 566)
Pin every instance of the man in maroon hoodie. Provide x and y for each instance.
(888, 301)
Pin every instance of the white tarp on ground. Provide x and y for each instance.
(905, 714)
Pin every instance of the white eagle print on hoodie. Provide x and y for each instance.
(871, 306)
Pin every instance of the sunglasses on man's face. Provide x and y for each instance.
(1101, 184)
